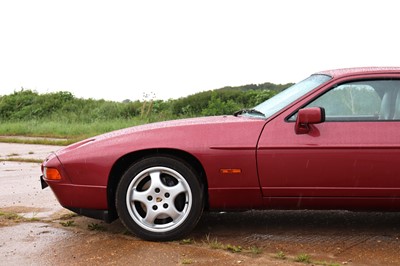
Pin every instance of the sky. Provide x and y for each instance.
(117, 50)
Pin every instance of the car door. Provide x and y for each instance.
(350, 160)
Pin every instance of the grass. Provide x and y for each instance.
(187, 241)
(72, 131)
(15, 217)
(21, 160)
(324, 263)
(68, 223)
(255, 250)
(280, 255)
(12, 157)
(11, 216)
(304, 258)
(96, 227)
(59, 132)
(213, 243)
(68, 216)
(233, 248)
(42, 141)
(187, 261)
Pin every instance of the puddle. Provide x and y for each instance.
(30, 243)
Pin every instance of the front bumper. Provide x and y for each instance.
(104, 215)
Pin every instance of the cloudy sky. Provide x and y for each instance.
(118, 50)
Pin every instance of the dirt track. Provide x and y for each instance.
(50, 235)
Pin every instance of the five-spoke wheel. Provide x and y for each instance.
(160, 198)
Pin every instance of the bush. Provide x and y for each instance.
(27, 105)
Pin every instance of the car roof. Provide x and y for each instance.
(337, 73)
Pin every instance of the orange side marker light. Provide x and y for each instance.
(230, 171)
(52, 174)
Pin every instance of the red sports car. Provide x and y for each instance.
(332, 141)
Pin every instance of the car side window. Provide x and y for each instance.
(370, 100)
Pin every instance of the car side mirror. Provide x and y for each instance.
(307, 117)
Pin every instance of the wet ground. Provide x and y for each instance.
(35, 230)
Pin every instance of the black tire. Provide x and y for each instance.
(160, 198)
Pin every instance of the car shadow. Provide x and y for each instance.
(239, 225)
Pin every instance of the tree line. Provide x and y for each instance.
(26, 105)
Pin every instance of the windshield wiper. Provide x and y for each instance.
(249, 111)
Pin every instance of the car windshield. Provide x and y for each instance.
(288, 96)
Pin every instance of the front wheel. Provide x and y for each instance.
(160, 198)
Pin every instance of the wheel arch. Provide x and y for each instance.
(124, 162)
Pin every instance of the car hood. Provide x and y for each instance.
(195, 133)
(202, 122)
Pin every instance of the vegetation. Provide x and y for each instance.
(304, 258)
(213, 243)
(96, 227)
(22, 160)
(68, 223)
(62, 115)
(186, 241)
(187, 261)
(10, 217)
(281, 255)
